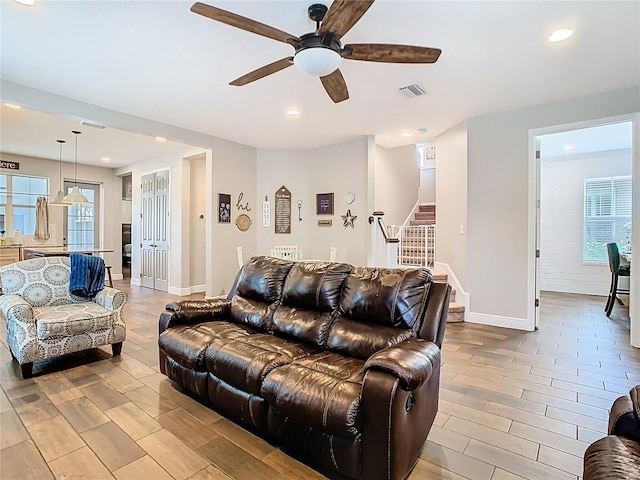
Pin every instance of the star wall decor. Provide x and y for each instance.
(348, 219)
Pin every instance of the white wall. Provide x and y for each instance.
(498, 199)
(451, 192)
(339, 169)
(233, 169)
(126, 211)
(197, 225)
(110, 237)
(428, 185)
(397, 182)
(562, 268)
(179, 214)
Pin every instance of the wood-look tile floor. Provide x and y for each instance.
(512, 405)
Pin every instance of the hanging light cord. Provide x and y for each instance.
(75, 179)
(60, 162)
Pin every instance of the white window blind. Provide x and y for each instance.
(18, 195)
(607, 215)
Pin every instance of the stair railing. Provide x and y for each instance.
(385, 246)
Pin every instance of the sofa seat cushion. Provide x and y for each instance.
(187, 344)
(243, 363)
(71, 319)
(611, 458)
(322, 391)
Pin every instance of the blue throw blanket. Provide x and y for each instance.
(87, 275)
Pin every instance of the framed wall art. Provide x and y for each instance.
(324, 203)
(224, 208)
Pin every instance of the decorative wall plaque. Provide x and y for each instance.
(325, 223)
(266, 212)
(283, 210)
(348, 219)
(243, 222)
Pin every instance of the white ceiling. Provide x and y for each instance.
(157, 60)
(32, 133)
(613, 136)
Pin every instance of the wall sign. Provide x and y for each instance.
(325, 223)
(10, 165)
(266, 212)
(283, 210)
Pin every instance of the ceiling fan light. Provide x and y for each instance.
(317, 61)
(75, 197)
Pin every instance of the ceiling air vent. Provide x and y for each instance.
(412, 90)
(91, 124)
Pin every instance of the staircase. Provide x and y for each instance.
(426, 215)
(456, 310)
(418, 238)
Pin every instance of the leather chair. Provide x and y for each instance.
(617, 271)
(617, 456)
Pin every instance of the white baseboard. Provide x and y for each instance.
(179, 291)
(198, 288)
(136, 282)
(498, 321)
(117, 276)
(462, 297)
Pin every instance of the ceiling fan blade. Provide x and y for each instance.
(335, 86)
(263, 72)
(342, 15)
(243, 23)
(381, 52)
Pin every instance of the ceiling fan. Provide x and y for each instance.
(320, 53)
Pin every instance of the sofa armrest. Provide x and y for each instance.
(412, 361)
(189, 312)
(16, 308)
(111, 299)
(623, 418)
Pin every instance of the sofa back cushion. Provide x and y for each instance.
(262, 279)
(258, 291)
(43, 282)
(378, 307)
(310, 298)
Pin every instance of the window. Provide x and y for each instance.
(607, 215)
(81, 223)
(18, 195)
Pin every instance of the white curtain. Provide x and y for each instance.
(42, 219)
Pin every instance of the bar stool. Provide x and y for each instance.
(108, 269)
(617, 271)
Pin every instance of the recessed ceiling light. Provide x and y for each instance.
(105, 159)
(161, 139)
(293, 112)
(569, 146)
(13, 105)
(28, 3)
(560, 35)
(422, 131)
(406, 134)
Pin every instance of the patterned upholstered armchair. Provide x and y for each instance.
(45, 321)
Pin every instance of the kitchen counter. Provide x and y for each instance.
(35, 252)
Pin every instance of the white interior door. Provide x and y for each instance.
(146, 219)
(154, 270)
(161, 231)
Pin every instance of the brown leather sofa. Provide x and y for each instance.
(617, 456)
(338, 365)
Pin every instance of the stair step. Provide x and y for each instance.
(427, 208)
(456, 313)
(439, 277)
(414, 223)
(425, 216)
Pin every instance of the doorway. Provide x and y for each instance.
(154, 218)
(581, 183)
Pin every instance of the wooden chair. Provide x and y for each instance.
(288, 252)
(617, 271)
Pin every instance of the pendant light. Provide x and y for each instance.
(58, 201)
(75, 196)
